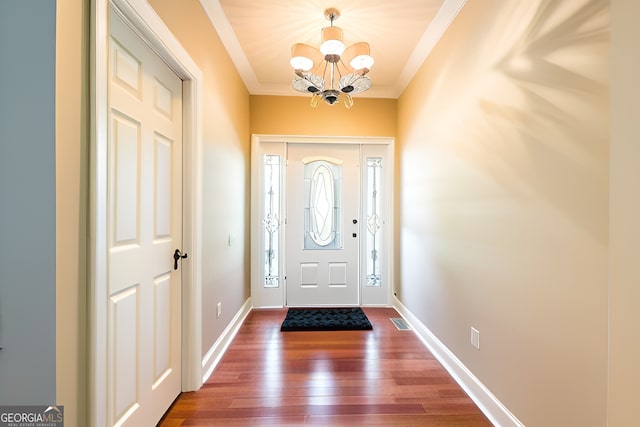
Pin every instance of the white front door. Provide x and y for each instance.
(323, 198)
(144, 229)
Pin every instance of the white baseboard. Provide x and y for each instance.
(497, 413)
(214, 354)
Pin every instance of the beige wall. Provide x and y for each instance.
(624, 291)
(225, 198)
(504, 175)
(281, 115)
(72, 124)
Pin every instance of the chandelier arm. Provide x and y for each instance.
(351, 77)
(318, 67)
(345, 67)
(333, 66)
(324, 74)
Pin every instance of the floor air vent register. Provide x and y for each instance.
(400, 323)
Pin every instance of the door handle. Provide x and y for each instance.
(178, 255)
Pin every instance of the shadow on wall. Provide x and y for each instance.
(504, 186)
(560, 111)
(522, 111)
(504, 176)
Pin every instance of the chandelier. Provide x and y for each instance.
(334, 71)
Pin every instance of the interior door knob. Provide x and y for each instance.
(178, 255)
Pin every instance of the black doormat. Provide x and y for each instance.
(325, 319)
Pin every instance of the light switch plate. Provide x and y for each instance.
(475, 338)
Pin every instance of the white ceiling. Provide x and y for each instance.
(258, 35)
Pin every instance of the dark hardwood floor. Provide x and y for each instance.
(382, 377)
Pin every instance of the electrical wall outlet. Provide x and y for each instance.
(475, 338)
(219, 310)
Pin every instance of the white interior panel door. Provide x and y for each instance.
(322, 225)
(145, 227)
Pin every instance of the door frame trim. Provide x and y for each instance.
(275, 297)
(144, 21)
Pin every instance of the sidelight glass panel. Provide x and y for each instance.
(322, 195)
(271, 220)
(374, 224)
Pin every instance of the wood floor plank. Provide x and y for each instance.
(381, 377)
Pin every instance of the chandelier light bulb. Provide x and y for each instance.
(301, 63)
(332, 47)
(331, 38)
(360, 54)
(361, 61)
(301, 56)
